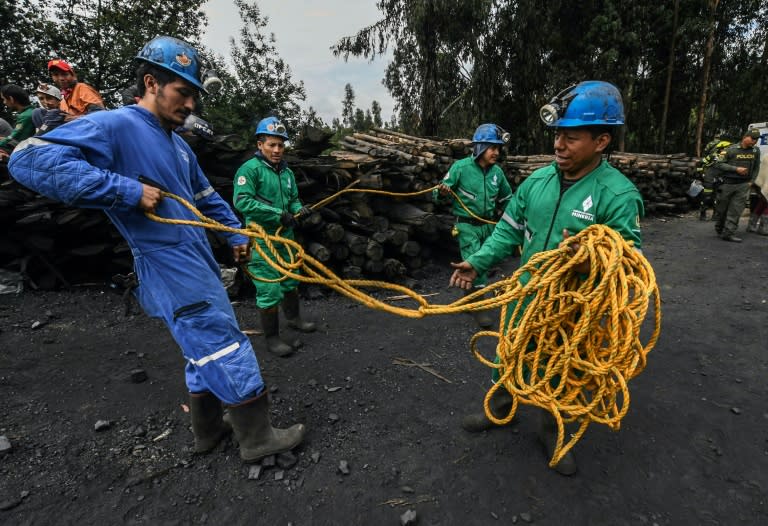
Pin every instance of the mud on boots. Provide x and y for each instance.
(254, 433)
(208, 424)
(500, 404)
(547, 434)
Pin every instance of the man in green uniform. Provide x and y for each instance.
(482, 187)
(17, 100)
(266, 194)
(579, 189)
(738, 166)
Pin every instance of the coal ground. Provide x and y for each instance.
(692, 449)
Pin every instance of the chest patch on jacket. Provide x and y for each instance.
(584, 213)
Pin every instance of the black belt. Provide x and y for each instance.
(471, 221)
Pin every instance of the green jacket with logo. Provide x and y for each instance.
(538, 212)
(24, 129)
(479, 191)
(735, 156)
(262, 193)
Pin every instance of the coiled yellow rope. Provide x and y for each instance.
(576, 343)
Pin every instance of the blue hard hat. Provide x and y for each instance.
(272, 126)
(175, 56)
(491, 134)
(589, 103)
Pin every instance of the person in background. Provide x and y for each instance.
(48, 116)
(5, 129)
(738, 165)
(121, 161)
(759, 218)
(710, 178)
(482, 187)
(17, 100)
(266, 194)
(78, 98)
(577, 190)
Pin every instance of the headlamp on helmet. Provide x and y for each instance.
(210, 80)
(272, 126)
(556, 107)
(588, 103)
(490, 134)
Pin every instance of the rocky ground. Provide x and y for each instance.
(96, 429)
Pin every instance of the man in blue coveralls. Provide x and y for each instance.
(118, 161)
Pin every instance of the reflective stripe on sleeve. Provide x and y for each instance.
(215, 356)
(466, 194)
(514, 224)
(29, 143)
(205, 193)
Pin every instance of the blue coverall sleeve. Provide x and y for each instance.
(64, 167)
(211, 204)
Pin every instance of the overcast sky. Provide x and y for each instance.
(304, 31)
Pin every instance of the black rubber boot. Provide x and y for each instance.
(754, 220)
(208, 425)
(254, 432)
(270, 324)
(500, 405)
(548, 437)
(291, 311)
(482, 317)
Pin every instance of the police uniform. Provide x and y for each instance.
(262, 193)
(481, 191)
(95, 162)
(733, 192)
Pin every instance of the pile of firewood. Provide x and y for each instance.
(357, 234)
(663, 180)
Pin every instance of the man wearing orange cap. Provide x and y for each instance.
(78, 98)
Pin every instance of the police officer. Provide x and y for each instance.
(482, 187)
(266, 194)
(738, 166)
(118, 161)
(577, 190)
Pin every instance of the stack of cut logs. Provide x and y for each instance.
(358, 234)
(662, 179)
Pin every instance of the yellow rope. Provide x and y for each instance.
(576, 343)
